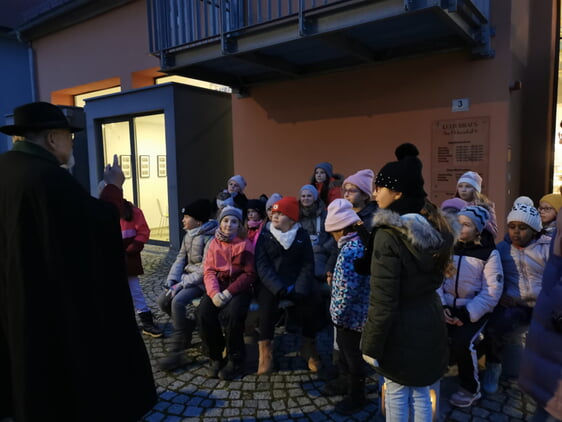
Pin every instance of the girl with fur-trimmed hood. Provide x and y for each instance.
(405, 332)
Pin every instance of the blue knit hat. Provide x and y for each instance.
(477, 214)
(327, 167)
(311, 189)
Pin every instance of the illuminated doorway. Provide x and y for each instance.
(140, 144)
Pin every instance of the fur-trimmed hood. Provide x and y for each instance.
(414, 227)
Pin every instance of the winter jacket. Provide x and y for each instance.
(541, 365)
(187, 269)
(135, 234)
(280, 268)
(230, 266)
(334, 188)
(350, 291)
(366, 215)
(405, 329)
(523, 269)
(478, 282)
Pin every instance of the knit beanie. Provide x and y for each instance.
(272, 200)
(453, 204)
(473, 179)
(231, 211)
(524, 211)
(288, 206)
(340, 215)
(553, 199)
(256, 204)
(363, 179)
(477, 214)
(404, 175)
(327, 167)
(199, 209)
(240, 180)
(311, 189)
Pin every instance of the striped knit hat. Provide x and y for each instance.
(479, 216)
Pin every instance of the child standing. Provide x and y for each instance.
(185, 279)
(348, 306)
(549, 206)
(135, 233)
(524, 256)
(469, 296)
(358, 189)
(326, 183)
(228, 275)
(469, 189)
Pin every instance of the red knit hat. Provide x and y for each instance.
(288, 206)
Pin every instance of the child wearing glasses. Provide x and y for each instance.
(549, 205)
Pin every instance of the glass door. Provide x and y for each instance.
(140, 144)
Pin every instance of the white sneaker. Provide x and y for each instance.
(463, 398)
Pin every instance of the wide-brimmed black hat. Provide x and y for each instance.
(37, 116)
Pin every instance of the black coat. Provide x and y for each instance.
(278, 268)
(405, 329)
(70, 349)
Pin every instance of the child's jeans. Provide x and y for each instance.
(402, 400)
(176, 306)
(138, 296)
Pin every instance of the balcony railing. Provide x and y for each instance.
(239, 42)
(180, 23)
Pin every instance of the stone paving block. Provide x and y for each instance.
(498, 417)
(459, 416)
(512, 412)
(493, 406)
(155, 417)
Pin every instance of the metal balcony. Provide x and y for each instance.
(244, 42)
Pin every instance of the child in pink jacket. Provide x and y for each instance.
(228, 276)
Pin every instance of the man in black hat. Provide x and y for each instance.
(63, 281)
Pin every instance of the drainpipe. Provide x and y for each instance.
(31, 63)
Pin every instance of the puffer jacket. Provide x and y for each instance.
(279, 268)
(523, 269)
(135, 234)
(187, 269)
(230, 266)
(324, 246)
(541, 365)
(478, 281)
(405, 329)
(350, 291)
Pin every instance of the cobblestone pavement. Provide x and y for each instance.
(289, 394)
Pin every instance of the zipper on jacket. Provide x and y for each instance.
(457, 282)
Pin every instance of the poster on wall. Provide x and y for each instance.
(161, 159)
(125, 163)
(144, 166)
(458, 146)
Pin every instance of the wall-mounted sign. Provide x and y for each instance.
(457, 146)
(460, 104)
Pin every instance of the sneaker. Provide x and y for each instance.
(152, 331)
(231, 370)
(463, 398)
(214, 368)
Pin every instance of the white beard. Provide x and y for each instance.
(69, 164)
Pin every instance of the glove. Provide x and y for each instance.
(222, 298)
(462, 314)
(170, 283)
(175, 289)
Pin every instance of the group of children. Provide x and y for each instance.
(407, 281)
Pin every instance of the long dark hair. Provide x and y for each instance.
(127, 210)
(324, 189)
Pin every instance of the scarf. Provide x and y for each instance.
(285, 239)
(223, 237)
(254, 224)
(347, 238)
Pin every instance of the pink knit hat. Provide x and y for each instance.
(473, 179)
(340, 215)
(363, 179)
